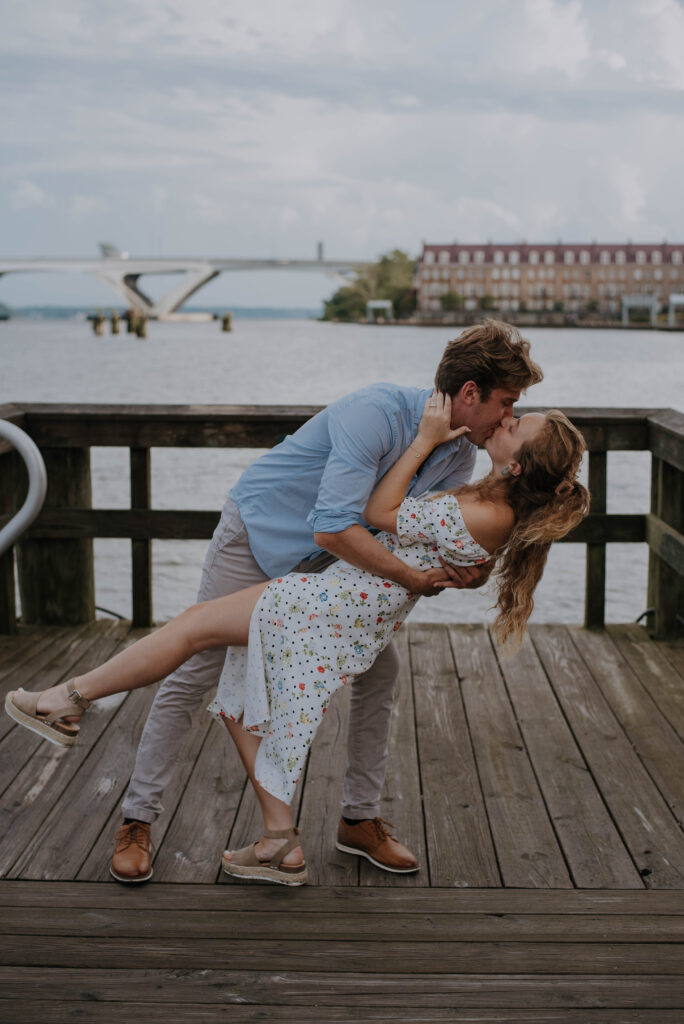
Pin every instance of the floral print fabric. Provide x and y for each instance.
(311, 634)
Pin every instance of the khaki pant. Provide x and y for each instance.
(228, 567)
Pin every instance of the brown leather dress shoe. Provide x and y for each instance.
(371, 839)
(131, 861)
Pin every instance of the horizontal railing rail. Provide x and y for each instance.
(55, 559)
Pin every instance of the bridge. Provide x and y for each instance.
(122, 273)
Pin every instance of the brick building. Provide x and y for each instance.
(571, 278)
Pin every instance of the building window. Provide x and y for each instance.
(676, 257)
(444, 256)
(584, 256)
(656, 256)
(530, 275)
(479, 256)
(498, 257)
(505, 273)
(640, 256)
(515, 273)
(514, 257)
(605, 256)
(496, 273)
(637, 275)
(460, 274)
(534, 257)
(429, 257)
(620, 256)
(463, 257)
(569, 256)
(445, 273)
(549, 256)
(673, 275)
(658, 274)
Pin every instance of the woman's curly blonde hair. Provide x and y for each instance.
(548, 501)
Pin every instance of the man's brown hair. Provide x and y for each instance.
(493, 354)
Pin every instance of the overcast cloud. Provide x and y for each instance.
(257, 129)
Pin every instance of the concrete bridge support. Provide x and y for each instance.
(126, 285)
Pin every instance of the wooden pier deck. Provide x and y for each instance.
(544, 795)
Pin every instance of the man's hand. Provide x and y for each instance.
(463, 577)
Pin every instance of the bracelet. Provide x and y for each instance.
(417, 454)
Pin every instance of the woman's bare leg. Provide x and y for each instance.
(277, 815)
(220, 623)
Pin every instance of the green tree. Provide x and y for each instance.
(391, 277)
(452, 301)
(486, 302)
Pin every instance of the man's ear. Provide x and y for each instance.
(469, 393)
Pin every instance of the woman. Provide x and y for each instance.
(308, 635)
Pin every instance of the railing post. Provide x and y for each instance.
(595, 593)
(141, 550)
(665, 585)
(8, 606)
(56, 577)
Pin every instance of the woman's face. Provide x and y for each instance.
(505, 443)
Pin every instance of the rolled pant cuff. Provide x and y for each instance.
(148, 817)
(360, 813)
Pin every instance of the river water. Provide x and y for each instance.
(307, 362)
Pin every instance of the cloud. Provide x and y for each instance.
(26, 195)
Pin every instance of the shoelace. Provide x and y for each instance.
(131, 834)
(382, 828)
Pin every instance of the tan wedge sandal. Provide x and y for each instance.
(22, 706)
(245, 863)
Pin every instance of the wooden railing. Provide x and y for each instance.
(55, 557)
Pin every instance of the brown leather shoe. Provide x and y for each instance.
(131, 861)
(371, 839)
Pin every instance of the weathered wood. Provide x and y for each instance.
(401, 802)
(21, 1011)
(527, 848)
(8, 607)
(359, 991)
(665, 527)
(654, 840)
(56, 578)
(595, 853)
(651, 735)
(666, 436)
(459, 840)
(655, 671)
(603, 957)
(595, 591)
(141, 550)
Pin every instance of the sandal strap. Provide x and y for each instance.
(292, 836)
(74, 697)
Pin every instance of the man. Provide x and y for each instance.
(298, 507)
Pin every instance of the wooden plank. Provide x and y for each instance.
(96, 865)
(313, 956)
(192, 847)
(649, 732)
(595, 589)
(354, 990)
(592, 845)
(8, 506)
(655, 671)
(201, 1013)
(401, 802)
(652, 836)
(332, 900)
(526, 846)
(666, 436)
(255, 926)
(320, 799)
(61, 845)
(141, 550)
(666, 542)
(459, 841)
(27, 801)
(56, 580)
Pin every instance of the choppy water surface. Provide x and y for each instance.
(306, 362)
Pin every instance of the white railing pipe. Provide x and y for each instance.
(37, 484)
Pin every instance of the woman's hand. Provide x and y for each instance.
(435, 425)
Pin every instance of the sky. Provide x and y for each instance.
(234, 128)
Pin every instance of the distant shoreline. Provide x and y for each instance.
(238, 312)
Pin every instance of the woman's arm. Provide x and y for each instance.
(435, 428)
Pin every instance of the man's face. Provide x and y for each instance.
(484, 417)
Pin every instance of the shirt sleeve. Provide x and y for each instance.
(438, 521)
(361, 434)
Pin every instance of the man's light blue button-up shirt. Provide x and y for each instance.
(319, 479)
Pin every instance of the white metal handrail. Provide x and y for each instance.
(37, 484)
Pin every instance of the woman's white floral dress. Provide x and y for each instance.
(309, 635)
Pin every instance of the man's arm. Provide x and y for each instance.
(360, 548)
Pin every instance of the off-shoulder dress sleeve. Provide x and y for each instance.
(438, 521)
